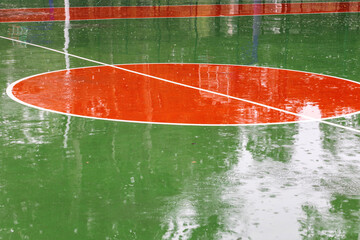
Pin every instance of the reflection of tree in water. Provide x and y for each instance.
(199, 193)
(340, 222)
(316, 226)
(135, 178)
(349, 208)
(336, 140)
(211, 229)
(338, 174)
(171, 174)
(273, 142)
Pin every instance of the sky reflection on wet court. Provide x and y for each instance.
(68, 177)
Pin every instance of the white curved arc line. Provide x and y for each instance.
(196, 88)
(9, 90)
(10, 94)
(310, 120)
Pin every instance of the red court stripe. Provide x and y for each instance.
(93, 13)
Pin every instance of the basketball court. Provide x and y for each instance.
(192, 119)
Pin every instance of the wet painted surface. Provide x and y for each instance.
(99, 3)
(74, 178)
(229, 10)
(149, 93)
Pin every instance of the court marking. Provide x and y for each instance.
(176, 11)
(9, 92)
(181, 5)
(10, 88)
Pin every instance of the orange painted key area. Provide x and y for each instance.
(109, 93)
(117, 12)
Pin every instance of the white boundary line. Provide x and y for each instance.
(9, 92)
(10, 87)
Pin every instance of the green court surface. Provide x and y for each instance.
(67, 177)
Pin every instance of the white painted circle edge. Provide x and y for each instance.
(10, 94)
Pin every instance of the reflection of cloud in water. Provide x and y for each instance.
(67, 26)
(262, 196)
(34, 128)
(182, 222)
(258, 206)
(310, 110)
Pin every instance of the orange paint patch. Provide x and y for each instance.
(109, 93)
